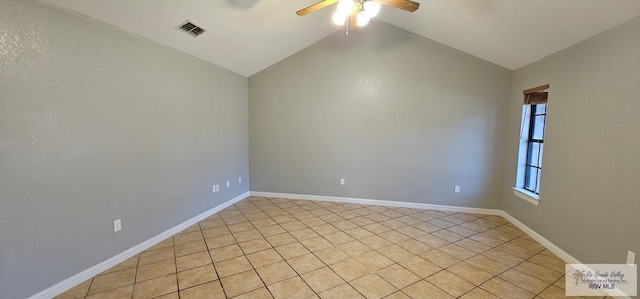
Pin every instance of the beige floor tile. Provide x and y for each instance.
(504, 289)
(276, 272)
(255, 245)
(314, 221)
(432, 241)
(338, 238)
(79, 291)
(155, 270)
(263, 258)
(113, 280)
(155, 287)
(188, 237)
(263, 222)
(472, 245)
(553, 292)
(411, 231)
(281, 239)
(232, 266)
(373, 261)
(343, 291)
(538, 271)
(426, 227)
(241, 283)
(322, 279)
(350, 269)
(516, 250)
(376, 228)
(122, 292)
(503, 257)
(247, 235)
(470, 273)
(415, 246)
(375, 242)
(488, 265)
(305, 263)
(447, 235)
(355, 248)
(220, 241)
(193, 260)
(291, 288)
(398, 295)
(168, 242)
(527, 244)
(393, 236)
(327, 229)
(226, 252)
(204, 291)
(292, 250)
(304, 234)
(478, 293)
(317, 243)
(398, 276)
(127, 264)
(373, 287)
(395, 253)
(486, 240)
(425, 290)
(154, 256)
(549, 262)
(190, 248)
(524, 281)
(332, 255)
(450, 283)
(196, 276)
(440, 258)
(261, 293)
(342, 225)
(293, 226)
(457, 251)
(271, 230)
(207, 224)
(358, 233)
(420, 266)
(465, 232)
(240, 227)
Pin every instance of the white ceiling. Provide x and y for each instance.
(247, 36)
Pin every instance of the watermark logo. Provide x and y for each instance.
(601, 280)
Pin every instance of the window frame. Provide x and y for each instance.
(532, 98)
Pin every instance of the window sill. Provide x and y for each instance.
(530, 197)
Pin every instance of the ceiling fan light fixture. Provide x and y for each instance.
(345, 7)
(371, 8)
(339, 19)
(362, 19)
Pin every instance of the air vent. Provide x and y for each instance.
(191, 28)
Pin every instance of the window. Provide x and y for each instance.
(534, 114)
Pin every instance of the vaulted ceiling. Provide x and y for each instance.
(247, 36)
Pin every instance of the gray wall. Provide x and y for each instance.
(95, 125)
(589, 189)
(399, 116)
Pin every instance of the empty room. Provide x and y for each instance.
(319, 149)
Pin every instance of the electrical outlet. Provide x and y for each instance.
(342, 181)
(631, 257)
(213, 189)
(239, 180)
(117, 225)
(228, 184)
(456, 189)
(217, 187)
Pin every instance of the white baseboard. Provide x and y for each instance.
(379, 202)
(72, 281)
(531, 233)
(540, 239)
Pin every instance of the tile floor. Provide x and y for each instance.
(281, 248)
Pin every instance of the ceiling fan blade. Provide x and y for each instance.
(314, 7)
(407, 5)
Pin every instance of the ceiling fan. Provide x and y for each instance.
(358, 12)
